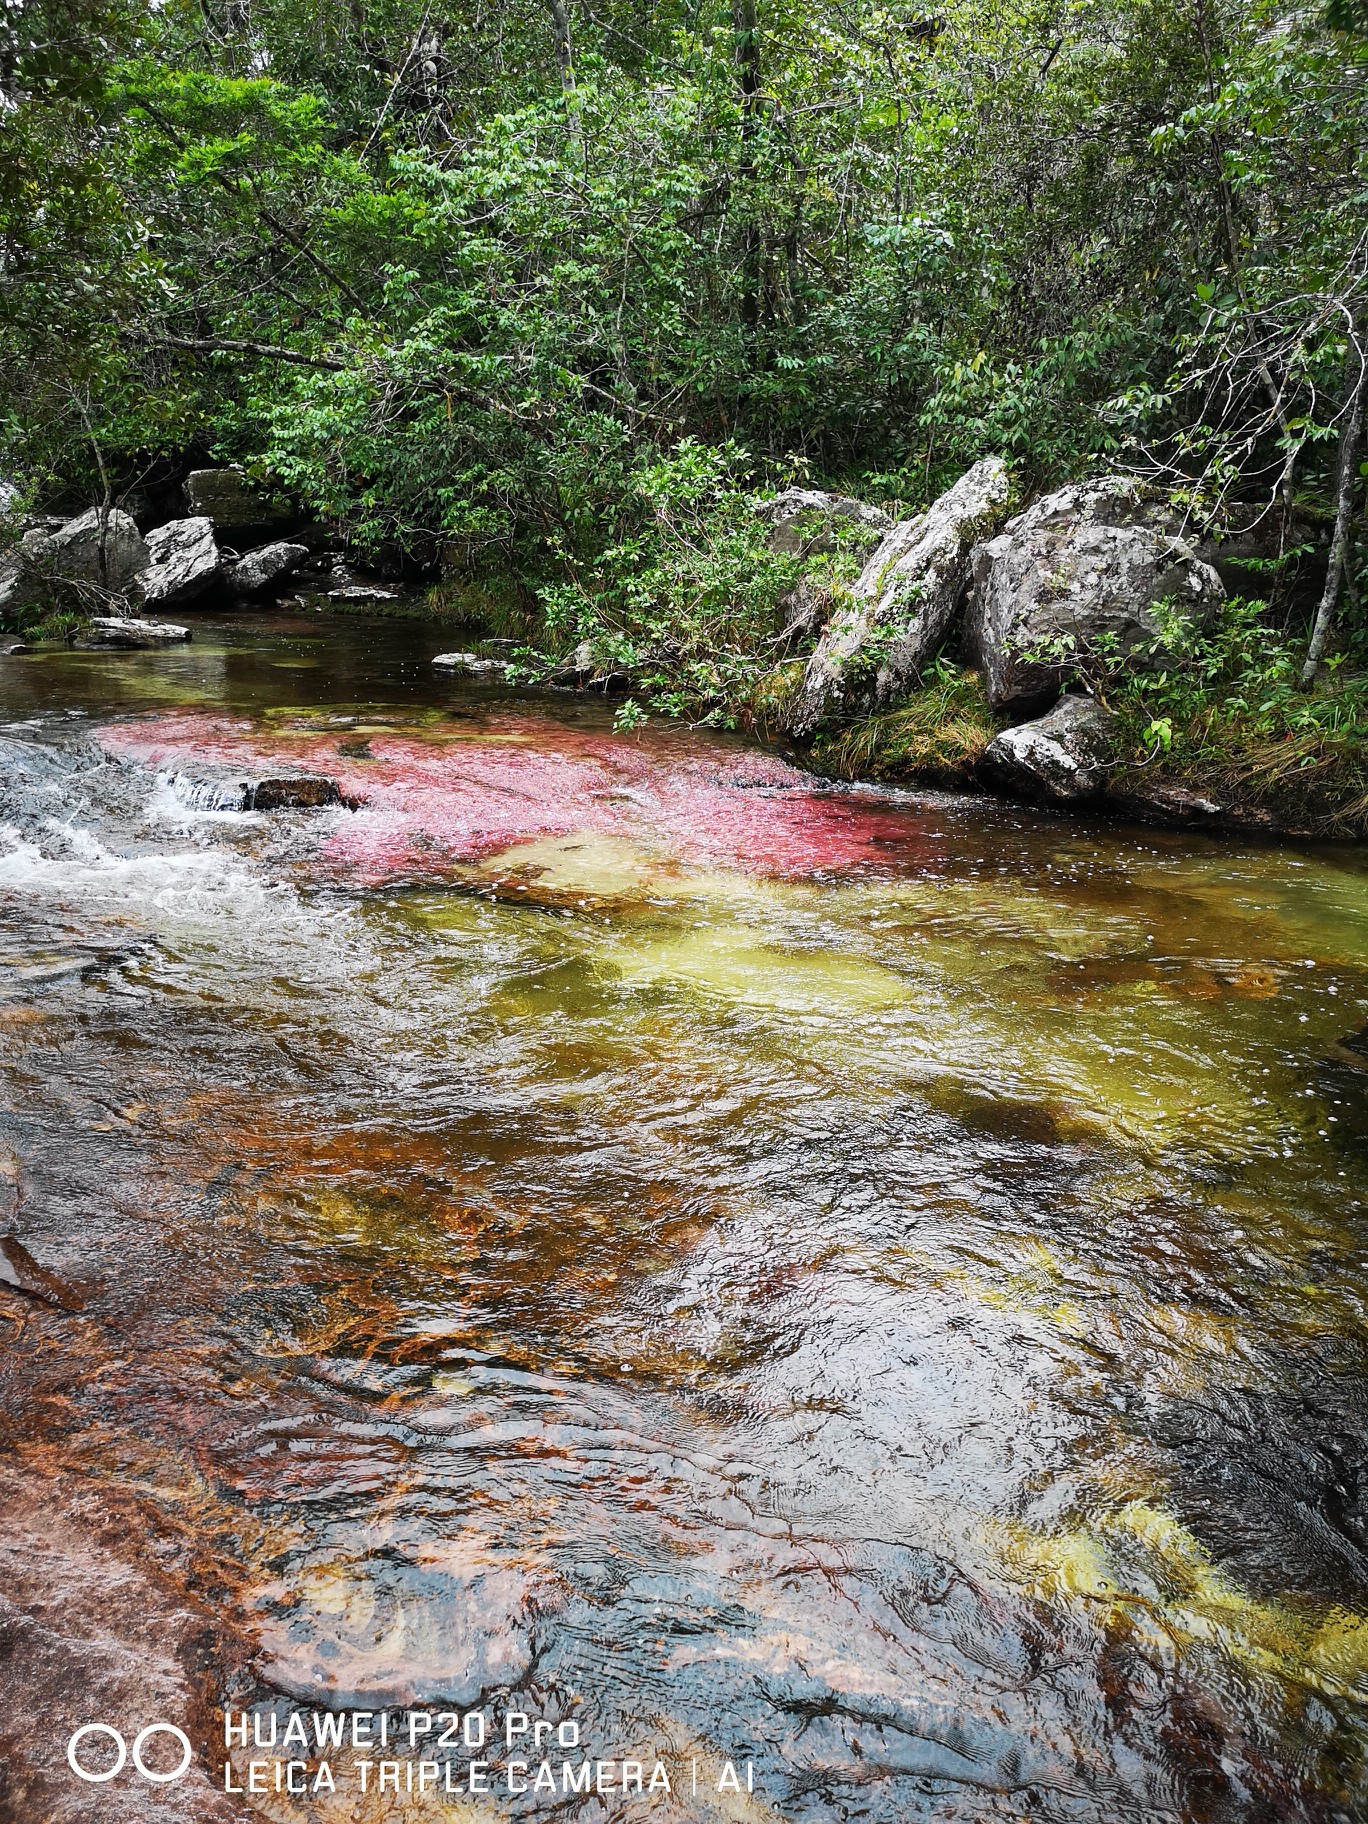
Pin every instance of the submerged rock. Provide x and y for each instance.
(901, 608)
(89, 1632)
(1351, 1050)
(113, 630)
(22, 1273)
(808, 522)
(185, 561)
(1078, 572)
(259, 569)
(1060, 759)
(420, 1622)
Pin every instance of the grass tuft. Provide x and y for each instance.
(937, 735)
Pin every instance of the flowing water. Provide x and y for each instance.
(597, 1227)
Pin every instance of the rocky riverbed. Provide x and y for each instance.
(863, 1286)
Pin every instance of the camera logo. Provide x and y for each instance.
(78, 1754)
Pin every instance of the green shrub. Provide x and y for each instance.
(686, 597)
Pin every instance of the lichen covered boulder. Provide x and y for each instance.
(1060, 759)
(108, 555)
(903, 604)
(98, 553)
(808, 522)
(1079, 573)
(185, 561)
(228, 500)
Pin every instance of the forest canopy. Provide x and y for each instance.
(514, 278)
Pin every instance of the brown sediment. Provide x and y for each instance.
(92, 1630)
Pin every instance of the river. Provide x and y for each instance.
(861, 1289)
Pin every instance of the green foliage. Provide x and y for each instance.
(1220, 708)
(685, 598)
(463, 289)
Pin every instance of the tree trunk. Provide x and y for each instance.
(565, 63)
(565, 49)
(1356, 395)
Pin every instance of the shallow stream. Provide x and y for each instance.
(864, 1284)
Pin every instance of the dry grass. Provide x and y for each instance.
(1302, 779)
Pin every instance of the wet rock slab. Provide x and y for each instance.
(22, 1273)
(131, 635)
(86, 1635)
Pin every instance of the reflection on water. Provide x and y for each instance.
(868, 1285)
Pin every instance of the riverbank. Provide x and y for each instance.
(1222, 768)
(1085, 653)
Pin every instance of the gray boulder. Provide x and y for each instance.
(101, 553)
(259, 569)
(805, 609)
(901, 607)
(1061, 759)
(104, 549)
(229, 502)
(185, 561)
(18, 581)
(808, 522)
(111, 630)
(1082, 566)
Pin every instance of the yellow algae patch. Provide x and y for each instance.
(1139, 1567)
(590, 863)
(732, 965)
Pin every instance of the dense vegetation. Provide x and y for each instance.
(542, 290)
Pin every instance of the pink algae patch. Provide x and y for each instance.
(465, 791)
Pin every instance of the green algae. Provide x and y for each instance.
(1137, 1566)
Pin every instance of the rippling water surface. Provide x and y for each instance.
(867, 1284)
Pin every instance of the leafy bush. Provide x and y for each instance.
(1222, 709)
(685, 598)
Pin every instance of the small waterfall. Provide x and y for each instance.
(208, 794)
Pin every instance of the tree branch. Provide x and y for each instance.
(227, 345)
